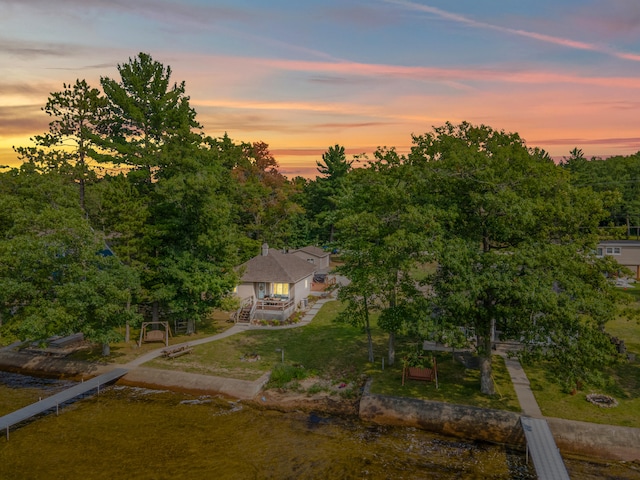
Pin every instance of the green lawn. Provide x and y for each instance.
(122, 352)
(334, 350)
(338, 353)
(625, 385)
(555, 403)
(456, 384)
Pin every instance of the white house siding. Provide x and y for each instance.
(625, 252)
(318, 257)
(273, 268)
(246, 290)
(301, 290)
(297, 291)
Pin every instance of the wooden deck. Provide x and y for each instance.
(543, 450)
(54, 401)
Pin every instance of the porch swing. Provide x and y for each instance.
(155, 335)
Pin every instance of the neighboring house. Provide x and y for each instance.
(273, 286)
(626, 252)
(314, 255)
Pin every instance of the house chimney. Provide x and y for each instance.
(265, 249)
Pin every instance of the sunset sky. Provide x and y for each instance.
(304, 75)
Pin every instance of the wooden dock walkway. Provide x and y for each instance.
(54, 401)
(543, 450)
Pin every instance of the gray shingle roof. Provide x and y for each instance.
(620, 243)
(311, 250)
(276, 267)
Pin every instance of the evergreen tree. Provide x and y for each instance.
(76, 112)
(170, 214)
(321, 192)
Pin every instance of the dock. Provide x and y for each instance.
(54, 401)
(543, 450)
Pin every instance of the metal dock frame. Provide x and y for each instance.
(544, 452)
(54, 401)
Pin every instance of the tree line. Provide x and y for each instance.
(125, 210)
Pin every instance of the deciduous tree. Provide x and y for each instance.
(517, 251)
(383, 237)
(54, 280)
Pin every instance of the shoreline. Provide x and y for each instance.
(581, 439)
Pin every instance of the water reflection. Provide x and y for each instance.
(16, 380)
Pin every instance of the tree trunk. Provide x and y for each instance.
(127, 330)
(155, 311)
(486, 379)
(367, 327)
(82, 169)
(106, 349)
(392, 348)
(82, 202)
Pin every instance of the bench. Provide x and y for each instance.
(420, 373)
(154, 336)
(66, 341)
(173, 352)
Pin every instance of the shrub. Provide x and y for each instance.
(282, 374)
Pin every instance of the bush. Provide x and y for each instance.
(282, 374)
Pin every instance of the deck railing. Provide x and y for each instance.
(274, 304)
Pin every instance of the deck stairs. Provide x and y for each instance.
(247, 310)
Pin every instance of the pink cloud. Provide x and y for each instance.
(316, 152)
(627, 141)
(446, 74)
(22, 120)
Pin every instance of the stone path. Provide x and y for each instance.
(521, 384)
(245, 389)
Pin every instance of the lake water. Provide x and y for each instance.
(131, 433)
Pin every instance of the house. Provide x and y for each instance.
(626, 253)
(273, 285)
(314, 255)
